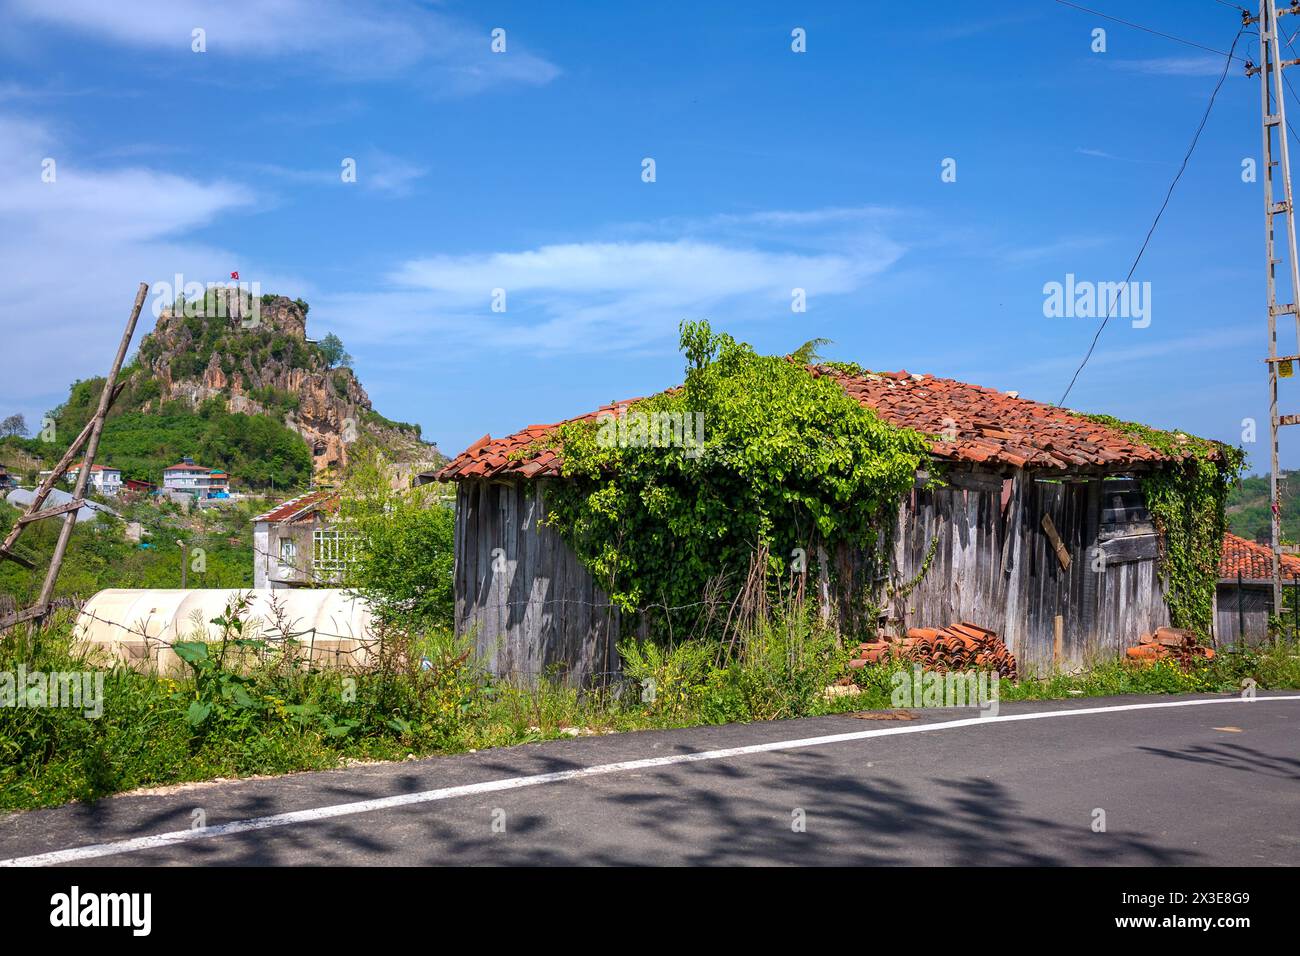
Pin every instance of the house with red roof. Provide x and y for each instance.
(198, 480)
(297, 544)
(1039, 532)
(104, 479)
(1243, 598)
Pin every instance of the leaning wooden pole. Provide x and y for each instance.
(92, 446)
(43, 490)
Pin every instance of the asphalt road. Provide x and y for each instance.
(1211, 784)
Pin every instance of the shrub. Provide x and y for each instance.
(403, 546)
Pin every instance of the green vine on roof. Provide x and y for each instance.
(1186, 500)
(785, 459)
(847, 368)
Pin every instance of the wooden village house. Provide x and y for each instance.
(1035, 498)
(1243, 596)
(297, 544)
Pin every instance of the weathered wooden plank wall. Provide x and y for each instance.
(998, 569)
(1256, 606)
(533, 606)
(521, 591)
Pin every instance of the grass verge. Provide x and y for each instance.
(245, 710)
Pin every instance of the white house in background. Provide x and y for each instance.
(297, 545)
(103, 479)
(196, 479)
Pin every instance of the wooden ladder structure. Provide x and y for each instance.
(88, 439)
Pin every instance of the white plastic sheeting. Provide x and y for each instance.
(140, 625)
(22, 498)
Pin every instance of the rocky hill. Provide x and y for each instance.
(257, 358)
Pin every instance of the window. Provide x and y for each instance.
(1123, 510)
(331, 550)
(288, 552)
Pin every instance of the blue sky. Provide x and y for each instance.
(522, 170)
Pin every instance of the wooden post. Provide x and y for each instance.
(1295, 606)
(1091, 576)
(110, 391)
(823, 583)
(1241, 612)
(1058, 641)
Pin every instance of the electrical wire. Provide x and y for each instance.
(1196, 137)
(1138, 26)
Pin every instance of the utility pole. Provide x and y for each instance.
(1277, 178)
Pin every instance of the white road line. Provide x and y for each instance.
(514, 783)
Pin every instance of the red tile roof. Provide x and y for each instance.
(182, 466)
(975, 424)
(322, 499)
(515, 453)
(1254, 562)
(73, 469)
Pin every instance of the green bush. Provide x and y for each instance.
(403, 551)
(779, 668)
(245, 707)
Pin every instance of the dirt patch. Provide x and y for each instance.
(883, 715)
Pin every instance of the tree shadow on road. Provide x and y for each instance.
(711, 814)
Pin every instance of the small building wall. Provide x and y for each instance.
(522, 592)
(532, 605)
(997, 567)
(1245, 619)
(268, 572)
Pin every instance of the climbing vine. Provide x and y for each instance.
(672, 497)
(1186, 501)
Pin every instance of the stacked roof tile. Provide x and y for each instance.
(973, 424)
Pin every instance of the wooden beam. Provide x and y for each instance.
(74, 505)
(44, 488)
(1062, 553)
(17, 559)
(1137, 547)
(35, 611)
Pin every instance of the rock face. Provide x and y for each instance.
(256, 357)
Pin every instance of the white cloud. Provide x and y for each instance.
(388, 174)
(362, 38)
(74, 251)
(599, 296)
(1102, 154)
(376, 171)
(1054, 249)
(1175, 66)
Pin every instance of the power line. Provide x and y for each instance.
(1167, 36)
(1228, 57)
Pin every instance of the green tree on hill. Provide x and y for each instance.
(15, 426)
(331, 349)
